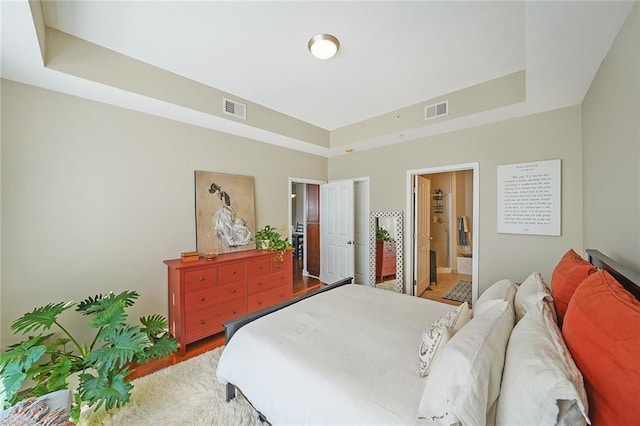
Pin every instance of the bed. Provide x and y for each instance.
(348, 354)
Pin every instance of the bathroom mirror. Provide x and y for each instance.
(385, 246)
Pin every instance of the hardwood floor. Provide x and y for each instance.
(445, 282)
(301, 285)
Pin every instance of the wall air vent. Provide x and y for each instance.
(436, 110)
(236, 109)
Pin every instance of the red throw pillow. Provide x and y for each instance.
(567, 276)
(602, 331)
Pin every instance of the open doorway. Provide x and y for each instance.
(305, 219)
(443, 206)
(304, 226)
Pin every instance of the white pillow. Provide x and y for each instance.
(532, 292)
(501, 290)
(438, 334)
(540, 384)
(464, 381)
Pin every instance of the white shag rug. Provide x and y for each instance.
(388, 285)
(187, 393)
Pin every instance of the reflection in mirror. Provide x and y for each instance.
(385, 246)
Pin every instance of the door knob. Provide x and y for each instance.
(349, 242)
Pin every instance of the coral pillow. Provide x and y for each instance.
(602, 330)
(567, 276)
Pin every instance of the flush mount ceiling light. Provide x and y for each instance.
(323, 46)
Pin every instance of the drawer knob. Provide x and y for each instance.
(282, 296)
(202, 299)
(201, 278)
(233, 312)
(233, 272)
(233, 290)
(260, 284)
(202, 322)
(259, 303)
(259, 266)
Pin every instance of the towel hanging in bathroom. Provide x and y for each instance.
(462, 235)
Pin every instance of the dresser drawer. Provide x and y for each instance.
(389, 269)
(267, 298)
(266, 282)
(206, 322)
(200, 278)
(213, 296)
(391, 257)
(232, 272)
(258, 266)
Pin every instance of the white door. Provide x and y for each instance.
(422, 240)
(361, 232)
(336, 231)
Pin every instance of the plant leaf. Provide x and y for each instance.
(40, 318)
(112, 313)
(102, 302)
(161, 348)
(29, 350)
(12, 377)
(87, 303)
(124, 344)
(112, 390)
(16, 363)
(153, 325)
(56, 375)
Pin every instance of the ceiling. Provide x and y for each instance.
(392, 54)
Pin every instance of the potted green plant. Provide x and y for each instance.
(48, 359)
(383, 235)
(268, 238)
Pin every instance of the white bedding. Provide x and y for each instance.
(345, 356)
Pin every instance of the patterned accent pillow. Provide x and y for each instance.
(436, 336)
(35, 412)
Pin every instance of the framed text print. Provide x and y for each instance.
(529, 198)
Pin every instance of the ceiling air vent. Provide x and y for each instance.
(236, 109)
(436, 110)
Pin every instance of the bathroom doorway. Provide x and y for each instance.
(304, 227)
(450, 209)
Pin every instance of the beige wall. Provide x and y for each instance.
(550, 135)
(611, 144)
(95, 197)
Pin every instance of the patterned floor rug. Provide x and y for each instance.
(460, 292)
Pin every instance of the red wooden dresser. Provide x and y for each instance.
(204, 294)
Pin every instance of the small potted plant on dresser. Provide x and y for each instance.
(268, 238)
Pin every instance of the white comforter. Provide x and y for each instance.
(345, 356)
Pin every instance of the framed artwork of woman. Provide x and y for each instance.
(225, 212)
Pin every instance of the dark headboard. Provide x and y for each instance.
(625, 276)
